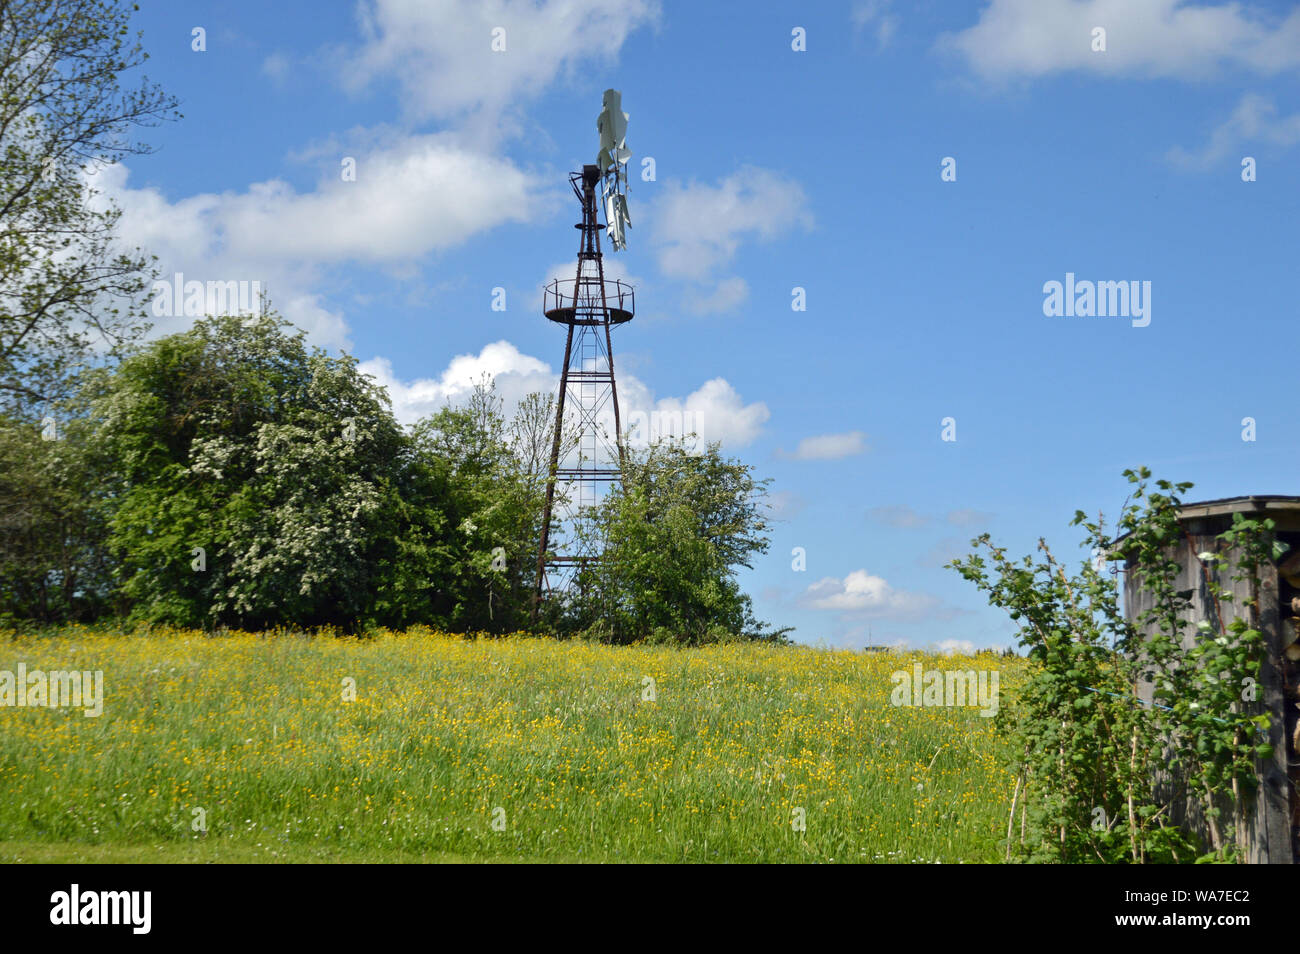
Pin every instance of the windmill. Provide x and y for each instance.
(588, 306)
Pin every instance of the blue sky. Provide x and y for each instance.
(778, 168)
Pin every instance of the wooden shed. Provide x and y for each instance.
(1272, 817)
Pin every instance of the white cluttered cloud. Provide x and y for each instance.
(714, 411)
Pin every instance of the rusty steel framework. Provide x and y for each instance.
(588, 306)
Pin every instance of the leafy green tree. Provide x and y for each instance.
(258, 478)
(66, 289)
(54, 499)
(669, 544)
(473, 528)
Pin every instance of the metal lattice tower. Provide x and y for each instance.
(588, 306)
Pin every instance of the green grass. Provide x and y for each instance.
(556, 742)
(219, 852)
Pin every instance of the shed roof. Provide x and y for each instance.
(1251, 502)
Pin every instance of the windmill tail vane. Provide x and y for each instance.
(612, 161)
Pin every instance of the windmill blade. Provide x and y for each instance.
(617, 220)
(613, 156)
(614, 224)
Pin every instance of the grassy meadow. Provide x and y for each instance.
(492, 750)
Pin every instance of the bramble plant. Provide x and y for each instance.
(1101, 772)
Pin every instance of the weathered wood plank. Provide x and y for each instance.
(1267, 815)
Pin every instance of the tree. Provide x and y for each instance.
(475, 511)
(54, 500)
(65, 288)
(531, 431)
(258, 479)
(669, 543)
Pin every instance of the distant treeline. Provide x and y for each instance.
(232, 476)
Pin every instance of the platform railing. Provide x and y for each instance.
(558, 294)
